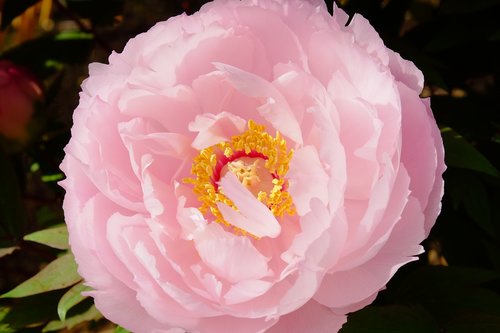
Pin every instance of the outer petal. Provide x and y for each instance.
(119, 304)
(344, 288)
(423, 154)
(311, 317)
(242, 325)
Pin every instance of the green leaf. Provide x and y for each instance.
(5, 327)
(91, 314)
(48, 217)
(467, 188)
(461, 154)
(58, 274)
(7, 250)
(56, 237)
(120, 329)
(4, 310)
(30, 312)
(70, 299)
(390, 319)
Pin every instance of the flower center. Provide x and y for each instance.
(259, 161)
(252, 173)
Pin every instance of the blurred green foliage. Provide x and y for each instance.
(454, 42)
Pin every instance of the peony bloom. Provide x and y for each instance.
(255, 167)
(18, 93)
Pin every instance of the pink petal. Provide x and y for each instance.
(215, 128)
(366, 36)
(170, 282)
(252, 215)
(107, 160)
(307, 179)
(231, 257)
(246, 290)
(79, 239)
(215, 95)
(422, 153)
(211, 285)
(360, 146)
(89, 212)
(270, 26)
(358, 305)
(405, 71)
(274, 109)
(313, 226)
(191, 220)
(165, 302)
(310, 273)
(434, 203)
(240, 51)
(240, 325)
(104, 79)
(419, 152)
(158, 160)
(173, 109)
(119, 304)
(327, 54)
(383, 213)
(344, 288)
(339, 15)
(311, 317)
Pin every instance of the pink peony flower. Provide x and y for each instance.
(255, 167)
(18, 93)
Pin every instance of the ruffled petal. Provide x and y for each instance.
(213, 129)
(274, 108)
(231, 257)
(341, 289)
(307, 179)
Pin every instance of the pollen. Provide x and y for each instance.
(260, 162)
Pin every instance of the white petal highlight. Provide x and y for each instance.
(253, 216)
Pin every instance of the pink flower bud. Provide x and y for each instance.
(18, 92)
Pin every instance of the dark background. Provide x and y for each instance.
(456, 43)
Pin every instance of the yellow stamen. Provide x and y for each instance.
(259, 160)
